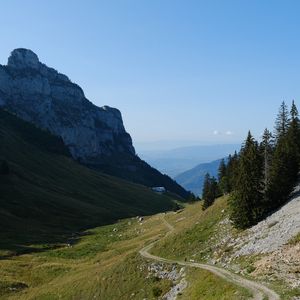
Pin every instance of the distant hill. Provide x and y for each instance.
(176, 161)
(45, 193)
(95, 136)
(193, 179)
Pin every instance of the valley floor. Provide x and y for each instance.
(106, 263)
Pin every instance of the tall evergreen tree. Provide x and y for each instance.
(206, 188)
(283, 173)
(294, 127)
(210, 191)
(285, 163)
(246, 202)
(267, 147)
(222, 169)
(282, 121)
(223, 178)
(232, 169)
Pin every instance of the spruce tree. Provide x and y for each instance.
(282, 121)
(232, 168)
(267, 147)
(285, 163)
(210, 191)
(206, 183)
(283, 173)
(222, 169)
(294, 127)
(223, 178)
(246, 202)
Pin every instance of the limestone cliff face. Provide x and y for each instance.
(43, 96)
(94, 135)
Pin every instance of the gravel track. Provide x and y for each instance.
(258, 290)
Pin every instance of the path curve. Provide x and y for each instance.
(258, 290)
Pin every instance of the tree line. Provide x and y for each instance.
(262, 175)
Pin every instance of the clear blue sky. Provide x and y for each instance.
(186, 71)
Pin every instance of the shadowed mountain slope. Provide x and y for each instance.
(45, 193)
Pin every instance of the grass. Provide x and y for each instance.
(209, 287)
(47, 196)
(295, 240)
(195, 232)
(103, 263)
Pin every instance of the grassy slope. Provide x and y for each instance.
(104, 264)
(47, 193)
(197, 237)
(195, 230)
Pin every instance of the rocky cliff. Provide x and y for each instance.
(49, 99)
(95, 136)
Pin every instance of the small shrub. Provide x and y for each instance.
(295, 240)
(250, 269)
(156, 291)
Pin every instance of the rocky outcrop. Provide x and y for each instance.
(50, 100)
(95, 136)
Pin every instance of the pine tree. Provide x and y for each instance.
(283, 173)
(266, 147)
(222, 169)
(232, 168)
(294, 127)
(210, 191)
(285, 163)
(246, 202)
(223, 178)
(206, 191)
(282, 121)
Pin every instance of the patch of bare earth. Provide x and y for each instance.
(282, 264)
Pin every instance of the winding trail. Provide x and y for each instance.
(258, 290)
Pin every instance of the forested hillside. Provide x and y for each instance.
(262, 175)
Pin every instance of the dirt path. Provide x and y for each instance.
(259, 291)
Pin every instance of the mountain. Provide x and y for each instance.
(45, 193)
(176, 161)
(95, 136)
(193, 179)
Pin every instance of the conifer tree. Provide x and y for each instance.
(282, 121)
(222, 169)
(285, 163)
(266, 147)
(223, 178)
(282, 173)
(294, 127)
(210, 191)
(246, 202)
(232, 168)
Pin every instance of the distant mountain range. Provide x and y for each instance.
(176, 161)
(95, 136)
(193, 179)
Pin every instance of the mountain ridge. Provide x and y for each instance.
(95, 136)
(193, 179)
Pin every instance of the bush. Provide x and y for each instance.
(156, 291)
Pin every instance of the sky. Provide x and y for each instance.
(181, 72)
